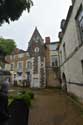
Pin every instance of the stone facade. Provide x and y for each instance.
(52, 62)
(36, 66)
(17, 66)
(71, 50)
(29, 66)
(36, 51)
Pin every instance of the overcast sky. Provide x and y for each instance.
(46, 15)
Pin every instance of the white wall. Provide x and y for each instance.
(72, 67)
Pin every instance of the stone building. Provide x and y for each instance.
(35, 67)
(36, 51)
(71, 49)
(29, 66)
(52, 62)
(17, 66)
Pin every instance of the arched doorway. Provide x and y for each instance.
(64, 82)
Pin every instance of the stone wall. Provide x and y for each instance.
(71, 66)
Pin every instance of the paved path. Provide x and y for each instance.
(51, 107)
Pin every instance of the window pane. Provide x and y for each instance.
(54, 60)
(19, 65)
(11, 67)
(29, 65)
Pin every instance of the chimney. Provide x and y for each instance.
(60, 35)
(47, 40)
(62, 24)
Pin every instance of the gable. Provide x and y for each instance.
(36, 37)
(35, 41)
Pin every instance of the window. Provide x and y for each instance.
(54, 60)
(53, 47)
(79, 20)
(19, 65)
(20, 56)
(12, 57)
(29, 65)
(27, 54)
(82, 65)
(19, 73)
(11, 67)
(64, 51)
(36, 49)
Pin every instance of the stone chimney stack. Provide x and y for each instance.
(47, 40)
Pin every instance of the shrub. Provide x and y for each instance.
(31, 94)
(23, 95)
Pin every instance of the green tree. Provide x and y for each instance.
(11, 10)
(7, 46)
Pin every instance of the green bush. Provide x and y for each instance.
(31, 94)
(23, 95)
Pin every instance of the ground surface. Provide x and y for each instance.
(52, 107)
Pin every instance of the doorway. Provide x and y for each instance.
(64, 82)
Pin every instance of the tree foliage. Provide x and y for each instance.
(7, 46)
(11, 10)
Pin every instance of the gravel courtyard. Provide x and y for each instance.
(53, 107)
